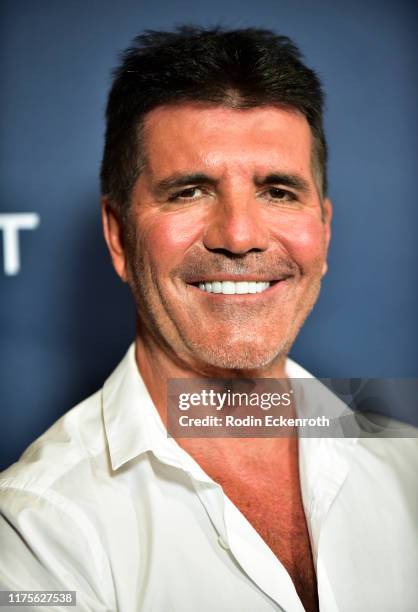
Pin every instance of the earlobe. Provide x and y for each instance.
(112, 230)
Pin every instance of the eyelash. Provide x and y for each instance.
(179, 195)
(288, 196)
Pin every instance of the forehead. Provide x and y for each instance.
(185, 136)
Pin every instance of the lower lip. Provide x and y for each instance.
(243, 296)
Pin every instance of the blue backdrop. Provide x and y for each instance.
(66, 319)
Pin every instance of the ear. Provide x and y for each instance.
(112, 229)
(327, 214)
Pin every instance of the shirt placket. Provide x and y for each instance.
(250, 552)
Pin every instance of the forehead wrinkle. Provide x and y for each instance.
(257, 172)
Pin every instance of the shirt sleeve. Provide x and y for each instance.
(47, 543)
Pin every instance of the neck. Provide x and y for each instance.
(157, 365)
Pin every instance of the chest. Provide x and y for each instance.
(277, 514)
(275, 510)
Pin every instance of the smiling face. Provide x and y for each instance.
(228, 242)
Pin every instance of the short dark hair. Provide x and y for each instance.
(242, 68)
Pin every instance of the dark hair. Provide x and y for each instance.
(236, 68)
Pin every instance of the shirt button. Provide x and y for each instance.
(222, 543)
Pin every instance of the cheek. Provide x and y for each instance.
(303, 236)
(167, 237)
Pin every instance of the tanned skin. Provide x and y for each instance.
(228, 194)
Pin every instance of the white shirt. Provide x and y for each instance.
(104, 503)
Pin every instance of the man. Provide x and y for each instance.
(215, 213)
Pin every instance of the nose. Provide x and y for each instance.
(237, 226)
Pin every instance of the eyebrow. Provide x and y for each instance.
(178, 180)
(294, 181)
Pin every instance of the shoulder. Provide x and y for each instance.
(397, 456)
(383, 472)
(73, 440)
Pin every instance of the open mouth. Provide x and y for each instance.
(235, 287)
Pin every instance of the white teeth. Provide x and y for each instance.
(232, 288)
(241, 287)
(228, 287)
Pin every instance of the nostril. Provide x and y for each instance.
(232, 255)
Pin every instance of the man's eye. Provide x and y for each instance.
(281, 195)
(190, 193)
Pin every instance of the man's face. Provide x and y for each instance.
(229, 242)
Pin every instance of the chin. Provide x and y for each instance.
(240, 356)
